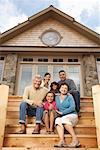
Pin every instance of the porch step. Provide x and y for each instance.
(79, 129)
(45, 148)
(29, 140)
(85, 129)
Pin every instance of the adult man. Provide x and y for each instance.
(72, 88)
(32, 104)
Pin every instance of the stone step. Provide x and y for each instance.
(38, 140)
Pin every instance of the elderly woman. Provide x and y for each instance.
(67, 117)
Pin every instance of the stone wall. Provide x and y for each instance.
(90, 76)
(9, 75)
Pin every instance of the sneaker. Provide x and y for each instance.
(60, 144)
(21, 132)
(74, 144)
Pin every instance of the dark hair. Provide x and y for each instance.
(64, 83)
(61, 71)
(47, 94)
(47, 73)
(54, 83)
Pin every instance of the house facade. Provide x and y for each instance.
(48, 42)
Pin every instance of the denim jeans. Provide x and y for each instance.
(76, 96)
(26, 109)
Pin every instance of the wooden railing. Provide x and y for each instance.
(96, 102)
(4, 90)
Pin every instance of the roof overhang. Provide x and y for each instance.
(28, 49)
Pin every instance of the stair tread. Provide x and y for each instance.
(47, 135)
(32, 125)
(45, 148)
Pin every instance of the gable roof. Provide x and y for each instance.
(50, 12)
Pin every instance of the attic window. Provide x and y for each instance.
(28, 59)
(50, 37)
(72, 60)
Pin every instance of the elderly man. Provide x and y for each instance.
(32, 104)
(72, 88)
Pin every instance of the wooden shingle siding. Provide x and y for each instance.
(70, 37)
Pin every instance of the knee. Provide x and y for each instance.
(23, 105)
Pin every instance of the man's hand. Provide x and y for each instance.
(38, 103)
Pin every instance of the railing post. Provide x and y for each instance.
(4, 90)
(96, 102)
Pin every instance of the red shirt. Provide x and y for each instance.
(46, 105)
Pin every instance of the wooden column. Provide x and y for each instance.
(96, 102)
(4, 90)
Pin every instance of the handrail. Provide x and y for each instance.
(4, 90)
(96, 103)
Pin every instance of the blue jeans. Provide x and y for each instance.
(76, 95)
(26, 109)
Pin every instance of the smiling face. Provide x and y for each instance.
(37, 81)
(50, 97)
(47, 77)
(63, 89)
(62, 76)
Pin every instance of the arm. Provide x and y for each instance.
(26, 96)
(72, 85)
(71, 107)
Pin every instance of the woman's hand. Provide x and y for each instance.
(60, 113)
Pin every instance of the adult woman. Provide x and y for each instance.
(67, 116)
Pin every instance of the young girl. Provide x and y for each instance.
(54, 87)
(49, 111)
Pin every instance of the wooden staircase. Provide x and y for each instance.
(85, 129)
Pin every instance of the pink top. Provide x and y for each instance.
(47, 104)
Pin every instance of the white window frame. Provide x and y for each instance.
(50, 66)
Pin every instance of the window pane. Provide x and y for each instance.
(42, 70)
(56, 70)
(26, 78)
(73, 73)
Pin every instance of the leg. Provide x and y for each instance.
(76, 95)
(23, 112)
(70, 129)
(60, 130)
(52, 120)
(75, 143)
(39, 115)
(46, 120)
(22, 121)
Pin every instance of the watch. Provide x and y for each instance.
(50, 38)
